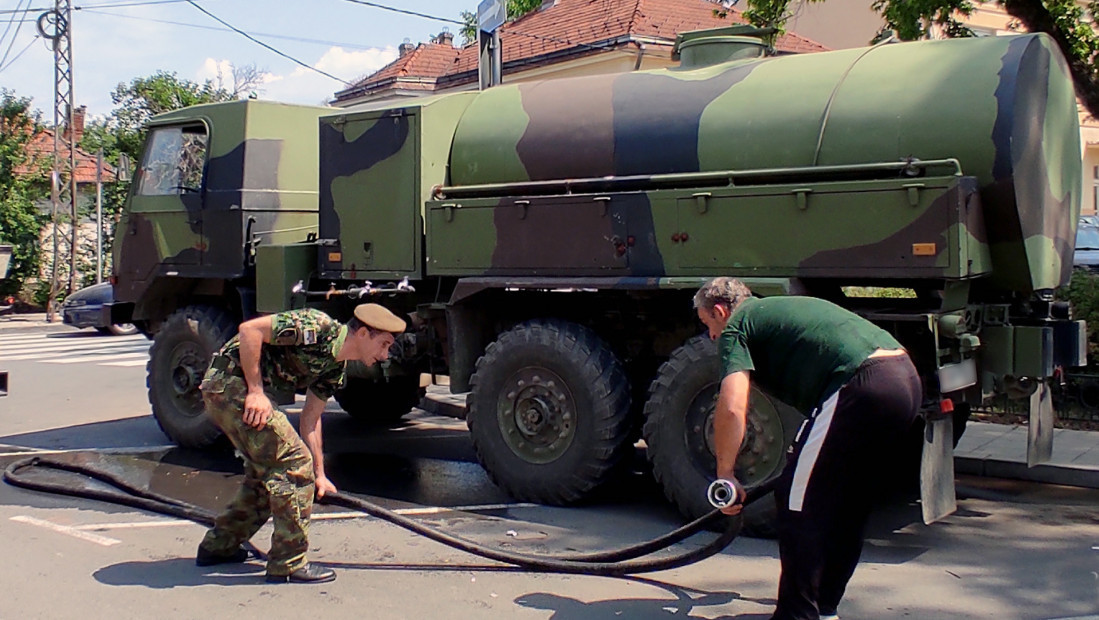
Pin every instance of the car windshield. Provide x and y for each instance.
(1087, 238)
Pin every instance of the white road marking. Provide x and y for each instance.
(98, 358)
(84, 346)
(70, 531)
(141, 362)
(129, 450)
(327, 516)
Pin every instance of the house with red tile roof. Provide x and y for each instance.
(40, 152)
(561, 38)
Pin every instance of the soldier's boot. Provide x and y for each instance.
(209, 558)
(310, 573)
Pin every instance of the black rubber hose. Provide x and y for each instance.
(601, 563)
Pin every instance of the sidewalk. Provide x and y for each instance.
(999, 451)
(31, 319)
(994, 450)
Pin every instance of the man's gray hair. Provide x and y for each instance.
(723, 290)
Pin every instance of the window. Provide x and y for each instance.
(173, 162)
(1095, 189)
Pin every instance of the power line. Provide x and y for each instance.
(95, 6)
(216, 29)
(21, 52)
(10, 22)
(258, 42)
(407, 12)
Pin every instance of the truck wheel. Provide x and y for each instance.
(679, 435)
(549, 412)
(178, 359)
(380, 402)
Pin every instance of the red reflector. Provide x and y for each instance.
(946, 405)
(113, 280)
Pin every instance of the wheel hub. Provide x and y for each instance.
(536, 414)
(762, 450)
(188, 366)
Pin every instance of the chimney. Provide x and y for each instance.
(404, 48)
(77, 129)
(444, 38)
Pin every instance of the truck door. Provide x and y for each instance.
(166, 205)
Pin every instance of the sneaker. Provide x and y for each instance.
(829, 617)
(310, 573)
(209, 558)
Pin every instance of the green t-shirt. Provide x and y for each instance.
(799, 349)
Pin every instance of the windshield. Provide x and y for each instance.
(1087, 238)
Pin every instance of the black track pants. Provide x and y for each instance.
(843, 451)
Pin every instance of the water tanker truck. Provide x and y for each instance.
(546, 238)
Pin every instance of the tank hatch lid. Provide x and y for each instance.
(700, 48)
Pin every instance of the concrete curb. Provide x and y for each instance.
(1077, 476)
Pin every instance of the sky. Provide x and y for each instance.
(114, 44)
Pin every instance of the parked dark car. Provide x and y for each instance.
(89, 307)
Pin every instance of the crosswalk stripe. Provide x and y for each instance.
(127, 364)
(97, 358)
(49, 355)
(70, 347)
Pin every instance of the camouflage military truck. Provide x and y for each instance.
(546, 239)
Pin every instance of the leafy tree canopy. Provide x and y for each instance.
(22, 184)
(515, 9)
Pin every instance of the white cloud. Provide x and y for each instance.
(303, 85)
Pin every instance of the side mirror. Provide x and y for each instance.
(122, 172)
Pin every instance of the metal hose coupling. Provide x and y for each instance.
(722, 493)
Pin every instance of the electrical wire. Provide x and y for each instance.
(216, 29)
(407, 12)
(21, 52)
(8, 28)
(95, 6)
(262, 44)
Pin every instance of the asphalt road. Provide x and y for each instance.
(1011, 551)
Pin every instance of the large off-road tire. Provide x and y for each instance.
(679, 430)
(549, 412)
(380, 402)
(178, 359)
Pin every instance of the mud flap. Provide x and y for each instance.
(1039, 448)
(937, 470)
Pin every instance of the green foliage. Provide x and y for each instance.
(1083, 293)
(913, 19)
(515, 8)
(142, 99)
(22, 184)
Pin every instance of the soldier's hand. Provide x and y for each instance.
(323, 486)
(257, 410)
(741, 495)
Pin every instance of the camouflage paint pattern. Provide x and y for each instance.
(278, 480)
(1002, 106)
(379, 166)
(260, 178)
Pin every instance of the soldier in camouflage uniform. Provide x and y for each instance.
(290, 351)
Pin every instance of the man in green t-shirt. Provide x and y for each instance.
(284, 352)
(861, 394)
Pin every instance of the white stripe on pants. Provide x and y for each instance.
(807, 459)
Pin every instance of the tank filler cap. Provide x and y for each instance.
(703, 48)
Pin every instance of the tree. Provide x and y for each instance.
(1068, 23)
(22, 184)
(515, 10)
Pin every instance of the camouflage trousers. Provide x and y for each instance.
(278, 480)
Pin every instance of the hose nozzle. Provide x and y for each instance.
(722, 493)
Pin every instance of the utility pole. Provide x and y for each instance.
(54, 26)
(99, 216)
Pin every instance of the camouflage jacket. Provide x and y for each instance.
(301, 355)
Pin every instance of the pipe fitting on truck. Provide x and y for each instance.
(355, 292)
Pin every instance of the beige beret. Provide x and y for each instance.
(379, 317)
